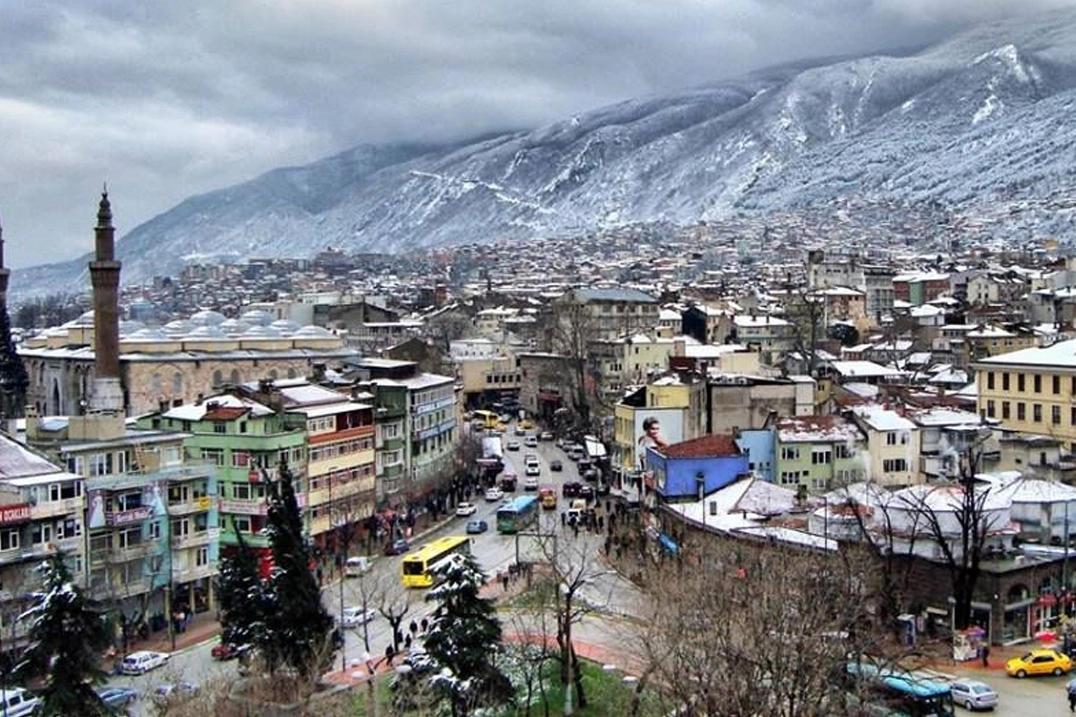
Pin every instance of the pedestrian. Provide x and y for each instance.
(413, 628)
(575, 529)
(389, 654)
(1072, 695)
(986, 655)
(601, 522)
(425, 625)
(563, 519)
(407, 642)
(504, 579)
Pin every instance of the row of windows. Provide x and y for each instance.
(340, 449)
(820, 456)
(503, 378)
(1021, 382)
(1021, 412)
(894, 465)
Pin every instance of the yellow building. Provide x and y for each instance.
(893, 447)
(1032, 390)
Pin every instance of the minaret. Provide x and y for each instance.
(13, 378)
(107, 394)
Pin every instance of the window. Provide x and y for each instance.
(241, 523)
(9, 539)
(1005, 381)
(219, 427)
(821, 456)
(240, 459)
(1036, 412)
(894, 465)
(990, 409)
(1056, 380)
(100, 464)
(790, 477)
(241, 491)
(790, 453)
(213, 455)
(1020, 382)
(201, 558)
(1037, 383)
(845, 451)
(1021, 411)
(41, 533)
(1005, 409)
(891, 437)
(990, 380)
(1055, 415)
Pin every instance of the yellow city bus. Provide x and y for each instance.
(488, 419)
(415, 568)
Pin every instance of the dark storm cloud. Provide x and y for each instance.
(167, 99)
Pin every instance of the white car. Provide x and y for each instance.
(494, 494)
(355, 616)
(464, 509)
(531, 442)
(143, 661)
(531, 483)
(533, 469)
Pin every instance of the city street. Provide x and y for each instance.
(494, 552)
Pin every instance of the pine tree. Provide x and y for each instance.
(297, 629)
(241, 595)
(67, 636)
(465, 637)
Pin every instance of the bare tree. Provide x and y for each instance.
(573, 572)
(959, 520)
(529, 625)
(394, 603)
(782, 618)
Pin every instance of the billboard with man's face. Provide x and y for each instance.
(656, 428)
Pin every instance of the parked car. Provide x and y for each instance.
(117, 698)
(18, 702)
(494, 494)
(227, 651)
(357, 565)
(355, 616)
(556, 465)
(474, 527)
(531, 441)
(974, 695)
(1039, 662)
(532, 470)
(141, 662)
(172, 692)
(546, 435)
(397, 547)
(465, 509)
(530, 483)
(571, 489)
(512, 445)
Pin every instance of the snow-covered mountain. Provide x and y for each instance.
(984, 114)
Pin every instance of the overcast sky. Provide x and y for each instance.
(165, 99)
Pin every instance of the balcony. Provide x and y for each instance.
(195, 505)
(131, 552)
(195, 539)
(54, 508)
(185, 575)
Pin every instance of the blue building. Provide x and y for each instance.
(758, 445)
(685, 470)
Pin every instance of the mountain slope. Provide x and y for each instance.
(980, 114)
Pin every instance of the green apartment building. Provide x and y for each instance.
(245, 439)
(818, 453)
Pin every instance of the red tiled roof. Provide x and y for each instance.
(224, 413)
(704, 447)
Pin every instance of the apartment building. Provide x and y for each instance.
(1031, 390)
(246, 441)
(42, 512)
(819, 453)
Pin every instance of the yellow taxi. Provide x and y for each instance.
(1039, 662)
(526, 425)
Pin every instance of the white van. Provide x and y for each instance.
(16, 702)
(354, 567)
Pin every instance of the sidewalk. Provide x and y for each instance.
(202, 627)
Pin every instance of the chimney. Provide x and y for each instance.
(105, 276)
